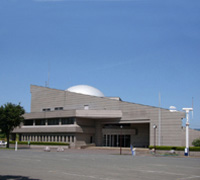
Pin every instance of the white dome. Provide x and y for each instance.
(85, 89)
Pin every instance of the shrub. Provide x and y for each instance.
(2, 136)
(177, 148)
(196, 142)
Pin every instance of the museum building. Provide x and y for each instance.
(82, 115)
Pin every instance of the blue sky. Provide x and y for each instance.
(133, 49)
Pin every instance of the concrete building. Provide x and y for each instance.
(82, 115)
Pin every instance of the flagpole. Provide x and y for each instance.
(159, 122)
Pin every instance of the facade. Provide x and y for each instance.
(82, 115)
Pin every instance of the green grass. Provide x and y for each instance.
(6, 148)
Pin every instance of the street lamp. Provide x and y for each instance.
(154, 127)
(121, 140)
(187, 110)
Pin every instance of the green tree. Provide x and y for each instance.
(10, 117)
(196, 142)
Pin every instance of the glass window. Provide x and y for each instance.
(28, 122)
(108, 140)
(104, 140)
(53, 121)
(40, 122)
(58, 108)
(117, 140)
(67, 120)
(46, 109)
(86, 107)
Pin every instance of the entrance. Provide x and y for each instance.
(114, 140)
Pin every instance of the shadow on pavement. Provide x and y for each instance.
(10, 177)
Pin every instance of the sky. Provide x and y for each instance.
(132, 49)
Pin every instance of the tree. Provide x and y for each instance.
(10, 117)
(196, 142)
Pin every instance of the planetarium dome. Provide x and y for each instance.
(85, 89)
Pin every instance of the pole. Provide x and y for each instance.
(187, 110)
(16, 146)
(154, 127)
(187, 134)
(159, 123)
(155, 140)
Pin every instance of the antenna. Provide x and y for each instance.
(47, 82)
(187, 110)
(159, 121)
(48, 73)
(192, 108)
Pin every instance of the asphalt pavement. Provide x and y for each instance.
(27, 164)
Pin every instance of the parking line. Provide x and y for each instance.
(21, 159)
(191, 177)
(81, 175)
(160, 172)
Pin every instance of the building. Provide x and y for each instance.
(82, 115)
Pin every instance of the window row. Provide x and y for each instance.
(52, 121)
(49, 109)
(48, 138)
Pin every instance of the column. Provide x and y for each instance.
(98, 134)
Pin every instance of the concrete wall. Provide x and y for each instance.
(171, 132)
(141, 137)
(83, 139)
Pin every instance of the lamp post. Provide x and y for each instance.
(154, 127)
(187, 110)
(121, 139)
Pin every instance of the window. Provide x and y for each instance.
(117, 126)
(91, 139)
(53, 121)
(46, 109)
(86, 107)
(58, 108)
(28, 123)
(67, 120)
(40, 122)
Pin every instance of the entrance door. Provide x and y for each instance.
(116, 140)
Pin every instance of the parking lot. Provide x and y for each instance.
(28, 164)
